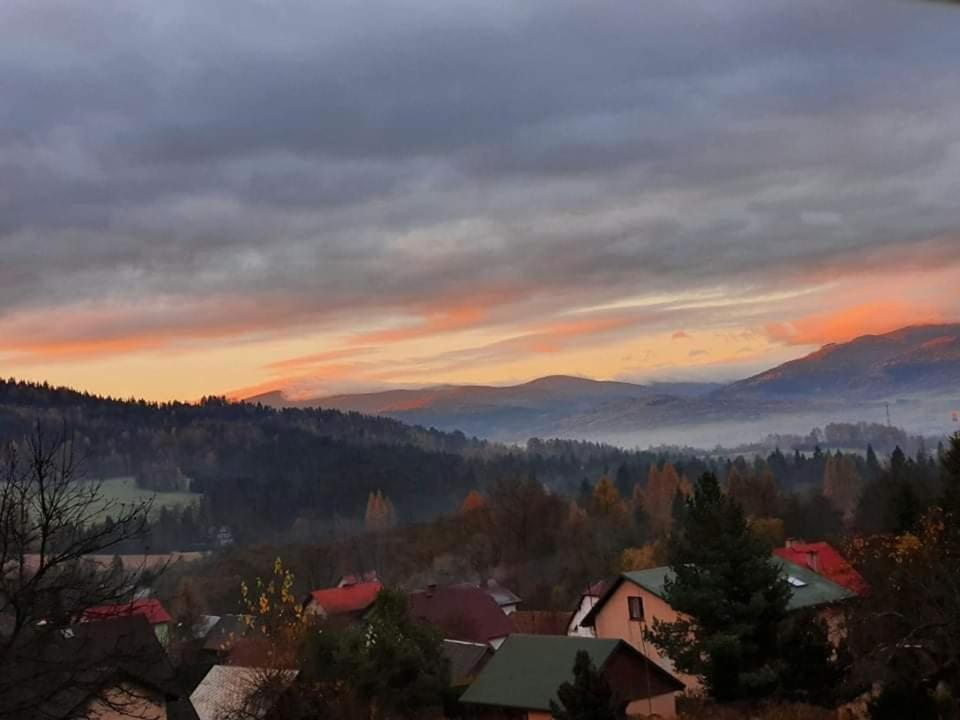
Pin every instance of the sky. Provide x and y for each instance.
(236, 196)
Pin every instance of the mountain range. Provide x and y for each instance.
(915, 368)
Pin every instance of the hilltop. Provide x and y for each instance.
(916, 367)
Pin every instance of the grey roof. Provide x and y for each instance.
(466, 660)
(527, 670)
(225, 688)
(502, 595)
(811, 590)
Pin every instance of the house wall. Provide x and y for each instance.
(613, 621)
(586, 605)
(128, 701)
(664, 706)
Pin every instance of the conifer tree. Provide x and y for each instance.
(588, 697)
(726, 584)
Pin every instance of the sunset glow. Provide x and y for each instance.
(276, 209)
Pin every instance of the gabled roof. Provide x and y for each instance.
(59, 670)
(823, 559)
(466, 660)
(461, 612)
(149, 608)
(224, 689)
(527, 670)
(346, 599)
(808, 590)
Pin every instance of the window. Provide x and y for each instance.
(635, 603)
(796, 582)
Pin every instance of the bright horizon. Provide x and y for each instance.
(230, 199)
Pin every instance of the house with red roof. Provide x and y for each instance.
(149, 608)
(823, 559)
(351, 599)
(462, 612)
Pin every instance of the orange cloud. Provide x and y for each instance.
(842, 325)
(555, 337)
(319, 358)
(445, 321)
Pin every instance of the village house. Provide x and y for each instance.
(588, 600)
(348, 599)
(631, 604)
(225, 691)
(522, 678)
(108, 670)
(506, 599)
(824, 560)
(466, 660)
(462, 612)
(150, 609)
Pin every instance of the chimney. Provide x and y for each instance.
(790, 542)
(813, 560)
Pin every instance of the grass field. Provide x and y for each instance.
(125, 490)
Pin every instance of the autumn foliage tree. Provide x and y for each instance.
(842, 484)
(380, 514)
(659, 495)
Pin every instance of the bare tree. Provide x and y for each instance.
(51, 519)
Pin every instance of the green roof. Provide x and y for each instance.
(815, 589)
(527, 670)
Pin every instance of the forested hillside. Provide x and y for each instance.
(308, 475)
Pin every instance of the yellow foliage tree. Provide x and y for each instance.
(380, 514)
(606, 501)
(274, 615)
(640, 558)
(770, 530)
(842, 484)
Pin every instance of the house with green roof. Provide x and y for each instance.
(636, 599)
(523, 676)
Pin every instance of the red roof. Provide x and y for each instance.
(149, 608)
(824, 560)
(461, 612)
(346, 599)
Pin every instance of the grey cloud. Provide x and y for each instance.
(350, 156)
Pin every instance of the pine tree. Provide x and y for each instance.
(624, 480)
(873, 464)
(588, 697)
(726, 584)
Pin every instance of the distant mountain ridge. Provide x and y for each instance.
(912, 359)
(835, 378)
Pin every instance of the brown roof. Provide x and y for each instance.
(541, 622)
(461, 613)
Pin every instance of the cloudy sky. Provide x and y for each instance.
(224, 195)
